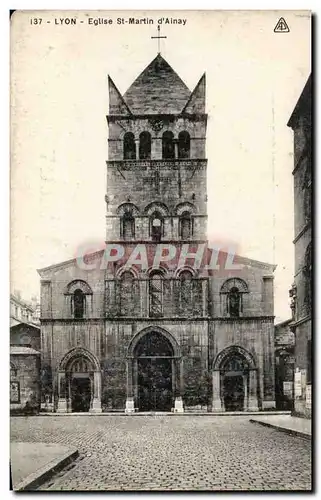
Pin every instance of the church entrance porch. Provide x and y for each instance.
(153, 373)
(235, 385)
(79, 382)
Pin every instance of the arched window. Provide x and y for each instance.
(156, 229)
(127, 226)
(145, 144)
(232, 292)
(185, 226)
(168, 147)
(129, 146)
(156, 294)
(184, 145)
(79, 304)
(78, 296)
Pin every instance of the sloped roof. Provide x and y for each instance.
(157, 90)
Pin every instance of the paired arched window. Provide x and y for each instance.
(168, 146)
(129, 147)
(156, 228)
(156, 294)
(185, 226)
(79, 304)
(184, 145)
(145, 145)
(127, 226)
(232, 292)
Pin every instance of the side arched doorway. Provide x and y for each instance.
(154, 372)
(235, 386)
(79, 382)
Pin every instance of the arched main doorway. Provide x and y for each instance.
(154, 371)
(234, 374)
(235, 381)
(79, 382)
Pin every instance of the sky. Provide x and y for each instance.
(59, 103)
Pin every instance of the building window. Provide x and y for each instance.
(156, 229)
(127, 226)
(184, 145)
(78, 296)
(168, 147)
(185, 226)
(145, 144)
(232, 292)
(79, 304)
(156, 294)
(129, 146)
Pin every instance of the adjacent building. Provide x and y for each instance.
(24, 355)
(284, 342)
(301, 291)
(138, 326)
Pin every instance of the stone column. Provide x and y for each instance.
(62, 401)
(156, 150)
(97, 393)
(178, 403)
(253, 402)
(216, 401)
(246, 405)
(130, 402)
(176, 148)
(137, 148)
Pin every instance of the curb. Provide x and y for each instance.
(164, 414)
(34, 480)
(293, 432)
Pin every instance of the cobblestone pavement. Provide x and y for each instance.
(171, 453)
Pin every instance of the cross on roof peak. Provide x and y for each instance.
(158, 37)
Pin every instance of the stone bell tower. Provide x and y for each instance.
(156, 194)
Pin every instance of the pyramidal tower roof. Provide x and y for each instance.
(157, 90)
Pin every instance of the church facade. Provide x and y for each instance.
(154, 322)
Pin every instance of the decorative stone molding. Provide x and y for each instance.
(230, 351)
(78, 284)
